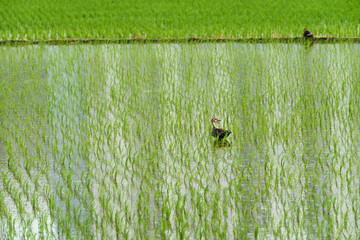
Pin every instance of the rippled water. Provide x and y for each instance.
(113, 141)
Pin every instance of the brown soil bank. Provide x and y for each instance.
(179, 40)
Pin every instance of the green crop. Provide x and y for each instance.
(113, 141)
(48, 19)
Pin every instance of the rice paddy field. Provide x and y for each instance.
(113, 141)
(138, 19)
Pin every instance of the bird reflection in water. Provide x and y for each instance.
(221, 143)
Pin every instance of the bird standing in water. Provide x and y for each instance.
(219, 132)
(307, 33)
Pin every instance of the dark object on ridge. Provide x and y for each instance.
(307, 33)
(219, 132)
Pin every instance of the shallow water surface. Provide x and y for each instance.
(113, 141)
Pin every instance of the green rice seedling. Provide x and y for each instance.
(210, 19)
(125, 149)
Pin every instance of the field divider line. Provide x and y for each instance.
(178, 40)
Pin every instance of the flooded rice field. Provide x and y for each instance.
(114, 141)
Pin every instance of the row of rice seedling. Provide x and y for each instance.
(113, 141)
(47, 19)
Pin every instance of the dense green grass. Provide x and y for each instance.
(47, 19)
(113, 141)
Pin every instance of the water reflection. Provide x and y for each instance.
(221, 143)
